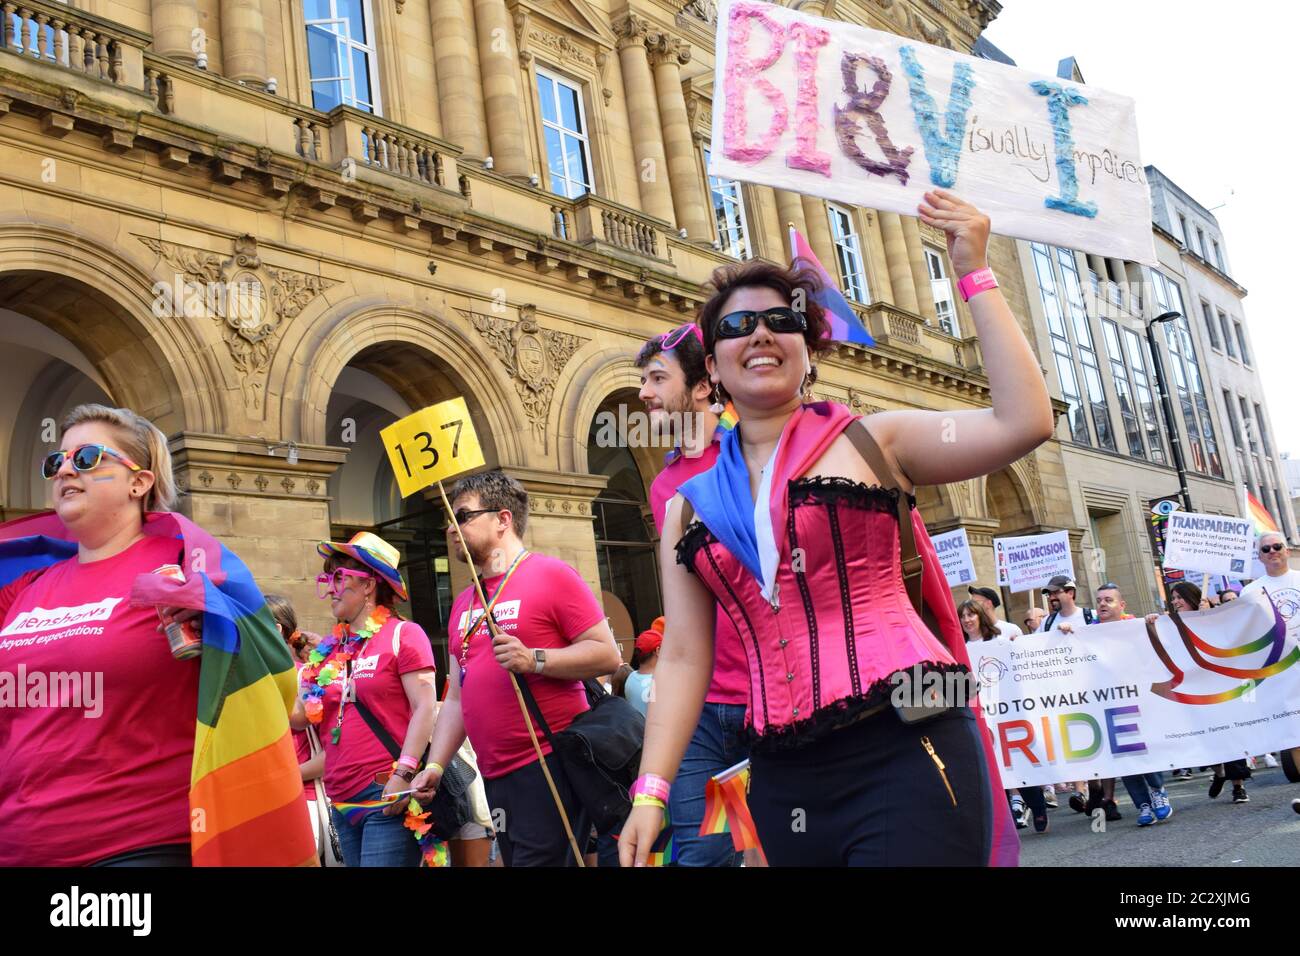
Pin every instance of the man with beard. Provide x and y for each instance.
(675, 388)
(551, 629)
(1060, 599)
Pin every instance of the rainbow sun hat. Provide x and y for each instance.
(372, 551)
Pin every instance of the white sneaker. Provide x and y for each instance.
(1049, 795)
(1270, 760)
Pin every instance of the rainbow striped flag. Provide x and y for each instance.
(726, 808)
(246, 798)
(354, 813)
(1259, 516)
(845, 326)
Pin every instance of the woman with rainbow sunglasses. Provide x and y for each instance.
(368, 687)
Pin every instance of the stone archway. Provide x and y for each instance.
(77, 325)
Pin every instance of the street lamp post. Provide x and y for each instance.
(1167, 403)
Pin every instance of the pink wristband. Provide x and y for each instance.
(973, 283)
(650, 784)
(408, 762)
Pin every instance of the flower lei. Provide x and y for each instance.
(329, 659)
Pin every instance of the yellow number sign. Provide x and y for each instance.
(432, 444)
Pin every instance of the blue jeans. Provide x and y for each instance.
(714, 747)
(377, 840)
(1141, 787)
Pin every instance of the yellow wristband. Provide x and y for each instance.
(645, 800)
(434, 765)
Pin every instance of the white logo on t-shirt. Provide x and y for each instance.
(45, 619)
(365, 664)
(504, 611)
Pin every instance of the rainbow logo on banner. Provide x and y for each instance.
(1274, 664)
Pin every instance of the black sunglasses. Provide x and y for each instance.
(737, 325)
(1266, 548)
(464, 514)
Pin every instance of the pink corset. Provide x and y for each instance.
(843, 624)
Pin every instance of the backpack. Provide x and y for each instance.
(1051, 618)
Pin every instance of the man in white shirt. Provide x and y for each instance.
(1060, 600)
(1282, 583)
(989, 598)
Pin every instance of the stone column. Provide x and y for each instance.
(900, 270)
(789, 209)
(498, 62)
(643, 115)
(920, 275)
(243, 40)
(460, 102)
(173, 26)
(765, 221)
(873, 250)
(819, 232)
(561, 521)
(667, 55)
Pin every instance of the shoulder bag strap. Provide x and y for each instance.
(392, 746)
(910, 558)
(533, 707)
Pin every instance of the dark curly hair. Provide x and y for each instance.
(784, 281)
(689, 354)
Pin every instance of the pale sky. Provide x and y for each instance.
(1215, 87)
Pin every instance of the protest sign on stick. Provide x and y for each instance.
(1210, 544)
(874, 119)
(1027, 562)
(424, 448)
(953, 549)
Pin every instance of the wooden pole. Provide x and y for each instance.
(523, 708)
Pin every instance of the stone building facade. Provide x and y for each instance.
(274, 228)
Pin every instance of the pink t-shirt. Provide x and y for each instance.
(82, 783)
(351, 764)
(730, 684)
(546, 604)
(302, 750)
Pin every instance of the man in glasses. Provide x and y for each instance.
(550, 629)
(674, 379)
(1281, 583)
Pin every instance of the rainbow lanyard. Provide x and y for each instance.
(496, 596)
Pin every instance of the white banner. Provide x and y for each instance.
(1028, 562)
(1210, 544)
(1108, 701)
(954, 556)
(869, 118)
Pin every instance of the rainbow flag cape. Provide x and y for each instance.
(726, 808)
(1259, 516)
(246, 798)
(845, 326)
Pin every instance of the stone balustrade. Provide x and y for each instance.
(84, 44)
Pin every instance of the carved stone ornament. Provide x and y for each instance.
(561, 47)
(859, 405)
(249, 300)
(703, 10)
(532, 356)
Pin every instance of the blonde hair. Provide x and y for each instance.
(141, 441)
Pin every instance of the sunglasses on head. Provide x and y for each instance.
(84, 458)
(670, 340)
(737, 325)
(331, 583)
(1266, 548)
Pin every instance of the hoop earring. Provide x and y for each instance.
(805, 390)
(718, 406)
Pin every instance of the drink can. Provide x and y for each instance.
(182, 636)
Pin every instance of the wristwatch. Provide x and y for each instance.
(405, 773)
(539, 660)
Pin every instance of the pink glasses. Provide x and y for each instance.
(331, 585)
(670, 340)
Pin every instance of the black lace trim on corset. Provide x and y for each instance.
(836, 715)
(825, 490)
(834, 490)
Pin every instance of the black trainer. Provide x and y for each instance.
(1239, 794)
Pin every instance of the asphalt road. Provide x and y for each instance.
(1201, 831)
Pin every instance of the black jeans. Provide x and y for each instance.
(170, 854)
(871, 795)
(531, 832)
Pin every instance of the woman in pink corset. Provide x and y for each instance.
(843, 770)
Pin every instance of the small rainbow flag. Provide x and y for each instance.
(726, 808)
(354, 813)
(1259, 516)
(845, 326)
(728, 419)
